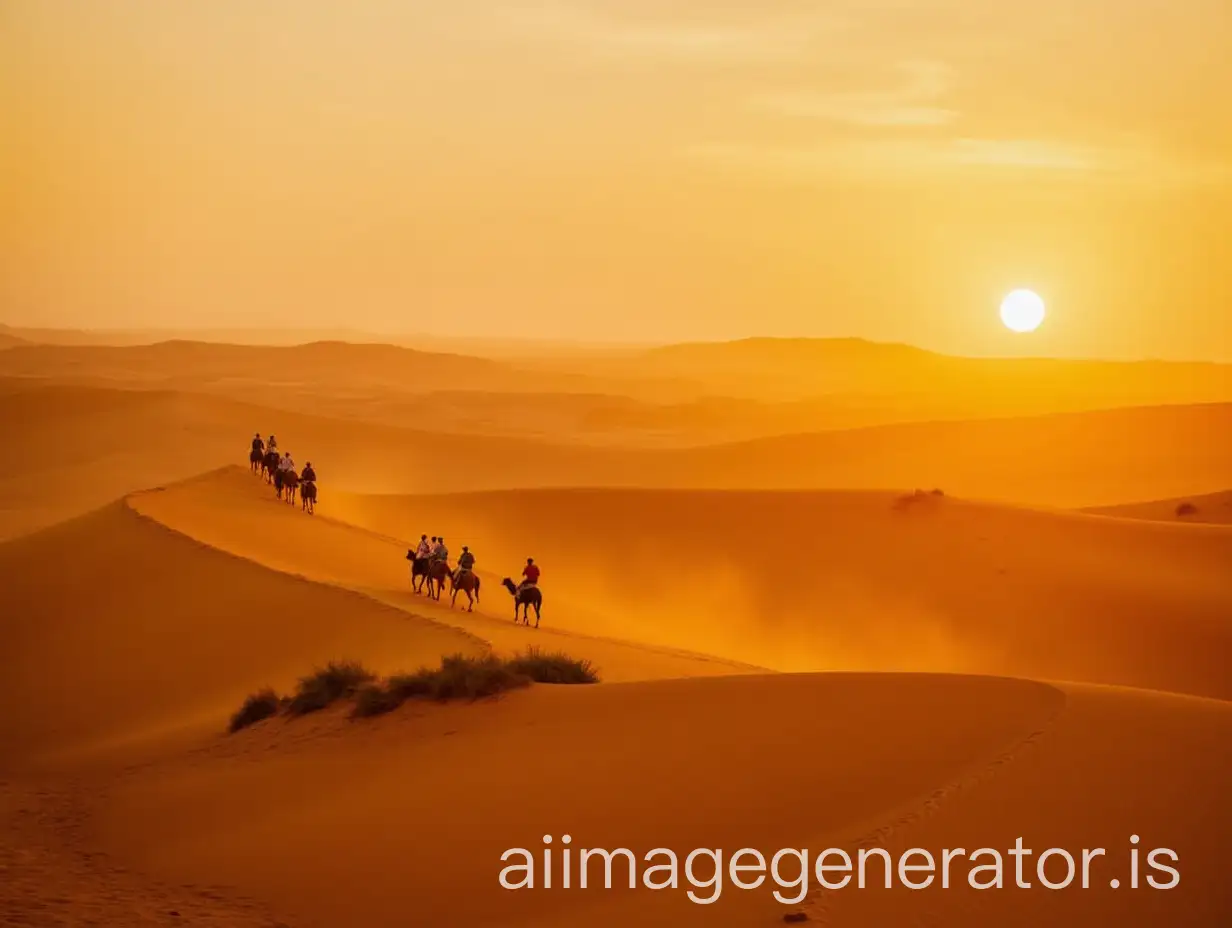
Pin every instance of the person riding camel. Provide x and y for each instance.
(441, 553)
(285, 464)
(309, 475)
(424, 549)
(258, 446)
(466, 565)
(530, 575)
(272, 444)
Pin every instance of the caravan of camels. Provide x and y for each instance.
(430, 568)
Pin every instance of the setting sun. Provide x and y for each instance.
(1022, 311)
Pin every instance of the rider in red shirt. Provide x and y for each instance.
(530, 573)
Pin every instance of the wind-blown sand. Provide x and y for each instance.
(233, 511)
(842, 580)
(130, 633)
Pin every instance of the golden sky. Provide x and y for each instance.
(624, 169)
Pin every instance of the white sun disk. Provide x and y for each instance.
(1022, 311)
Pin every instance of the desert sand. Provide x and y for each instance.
(96, 443)
(1210, 508)
(796, 651)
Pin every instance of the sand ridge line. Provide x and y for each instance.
(443, 626)
(443, 616)
(483, 617)
(922, 807)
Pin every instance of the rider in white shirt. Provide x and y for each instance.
(286, 464)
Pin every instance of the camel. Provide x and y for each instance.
(308, 496)
(438, 573)
(526, 598)
(290, 480)
(269, 466)
(429, 571)
(469, 582)
(419, 571)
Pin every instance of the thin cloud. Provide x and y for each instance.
(911, 104)
(594, 33)
(903, 159)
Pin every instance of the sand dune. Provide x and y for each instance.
(1068, 460)
(332, 367)
(130, 633)
(114, 688)
(821, 580)
(679, 394)
(1213, 508)
(233, 511)
(95, 444)
(846, 580)
(785, 368)
(793, 761)
(118, 629)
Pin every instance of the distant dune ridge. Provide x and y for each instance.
(994, 666)
(96, 444)
(1213, 508)
(668, 393)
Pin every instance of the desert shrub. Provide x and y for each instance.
(258, 706)
(1186, 509)
(379, 698)
(461, 677)
(375, 699)
(555, 667)
(336, 680)
(907, 500)
(457, 677)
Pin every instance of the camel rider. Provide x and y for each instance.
(309, 475)
(432, 546)
(424, 550)
(530, 575)
(286, 465)
(272, 444)
(441, 553)
(257, 444)
(466, 564)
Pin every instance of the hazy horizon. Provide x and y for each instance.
(291, 336)
(599, 171)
